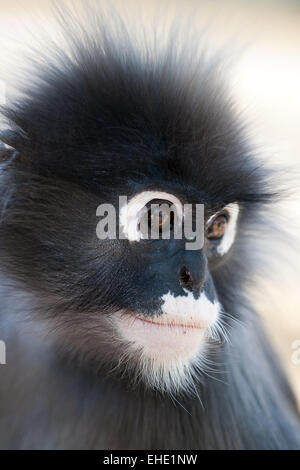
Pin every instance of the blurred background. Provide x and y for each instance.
(265, 38)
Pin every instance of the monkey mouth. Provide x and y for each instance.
(176, 336)
(171, 323)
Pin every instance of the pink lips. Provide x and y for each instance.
(198, 326)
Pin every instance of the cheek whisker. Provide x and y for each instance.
(234, 319)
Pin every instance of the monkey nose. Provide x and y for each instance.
(189, 281)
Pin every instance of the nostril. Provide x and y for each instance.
(185, 278)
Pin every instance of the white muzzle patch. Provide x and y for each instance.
(170, 346)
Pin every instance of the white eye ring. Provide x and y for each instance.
(130, 212)
(230, 232)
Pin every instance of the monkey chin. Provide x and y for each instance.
(168, 349)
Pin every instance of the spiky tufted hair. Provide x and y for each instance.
(106, 108)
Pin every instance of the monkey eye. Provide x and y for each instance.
(160, 215)
(151, 214)
(216, 227)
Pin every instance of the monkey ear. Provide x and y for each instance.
(9, 144)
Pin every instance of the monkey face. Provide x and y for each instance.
(175, 310)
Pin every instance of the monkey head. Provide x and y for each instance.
(97, 123)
